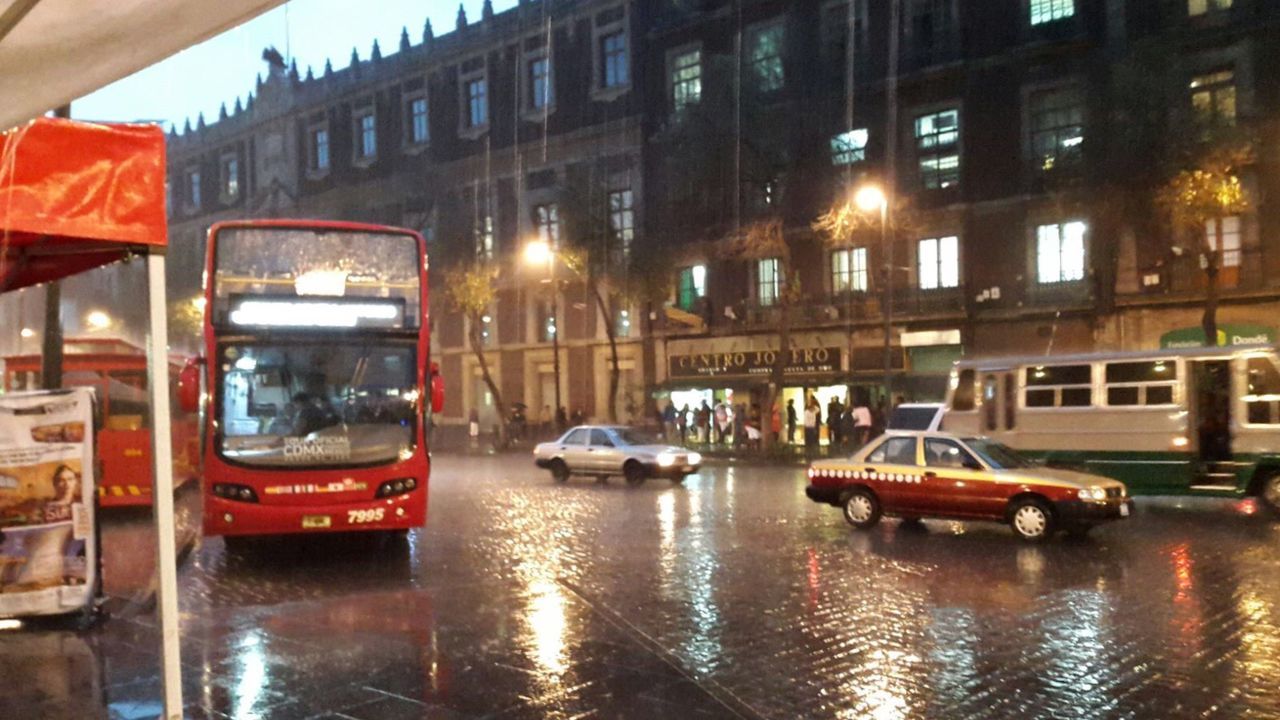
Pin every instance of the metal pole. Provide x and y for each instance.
(162, 491)
(888, 301)
(555, 336)
(51, 350)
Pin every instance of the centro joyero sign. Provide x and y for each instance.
(1228, 336)
(746, 363)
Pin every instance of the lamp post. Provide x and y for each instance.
(536, 253)
(868, 198)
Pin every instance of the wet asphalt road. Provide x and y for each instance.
(729, 596)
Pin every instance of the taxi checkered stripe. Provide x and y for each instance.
(877, 476)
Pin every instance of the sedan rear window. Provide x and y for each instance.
(575, 437)
(895, 450)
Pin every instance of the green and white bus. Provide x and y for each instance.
(1197, 421)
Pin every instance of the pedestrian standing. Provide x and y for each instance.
(812, 418)
(562, 420)
(704, 423)
(669, 421)
(834, 411)
(791, 420)
(682, 423)
(861, 424)
(473, 428)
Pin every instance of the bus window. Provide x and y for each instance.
(989, 388)
(962, 399)
(1263, 398)
(1059, 386)
(1149, 382)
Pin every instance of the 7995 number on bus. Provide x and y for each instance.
(360, 517)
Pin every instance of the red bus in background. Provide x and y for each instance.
(117, 370)
(316, 382)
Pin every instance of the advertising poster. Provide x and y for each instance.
(47, 547)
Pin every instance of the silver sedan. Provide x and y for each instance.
(604, 450)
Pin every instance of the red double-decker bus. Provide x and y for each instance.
(117, 370)
(317, 385)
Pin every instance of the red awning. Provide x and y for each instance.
(77, 195)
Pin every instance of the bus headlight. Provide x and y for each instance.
(666, 459)
(235, 492)
(695, 458)
(1095, 494)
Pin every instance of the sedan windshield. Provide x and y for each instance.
(631, 436)
(997, 455)
(316, 405)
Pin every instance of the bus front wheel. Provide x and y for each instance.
(1269, 491)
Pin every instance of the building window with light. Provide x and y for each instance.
(1046, 11)
(938, 263)
(686, 79)
(484, 238)
(319, 149)
(622, 325)
(1060, 252)
(546, 223)
(613, 56)
(764, 57)
(1223, 236)
(193, 189)
(1196, 8)
(937, 137)
(419, 131)
(849, 147)
(768, 281)
(540, 88)
(477, 102)
(546, 322)
(691, 287)
(1056, 119)
(849, 270)
(1213, 99)
(366, 136)
(622, 221)
(486, 329)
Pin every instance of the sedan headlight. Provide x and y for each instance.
(695, 459)
(666, 459)
(1093, 493)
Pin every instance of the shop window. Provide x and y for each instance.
(962, 398)
(1051, 386)
(1263, 398)
(1141, 383)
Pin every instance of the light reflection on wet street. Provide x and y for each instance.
(731, 595)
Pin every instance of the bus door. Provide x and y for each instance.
(999, 402)
(1209, 400)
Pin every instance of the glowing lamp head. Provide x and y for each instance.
(98, 320)
(869, 198)
(537, 252)
(28, 333)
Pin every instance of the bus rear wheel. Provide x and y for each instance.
(1269, 491)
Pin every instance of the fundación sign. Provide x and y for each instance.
(749, 363)
(1228, 336)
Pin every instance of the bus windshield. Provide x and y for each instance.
(330, 405)
(282, 262)
(998, 455)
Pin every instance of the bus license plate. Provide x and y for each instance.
(1124, 509)
(316, 521)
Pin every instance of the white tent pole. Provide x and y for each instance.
(162, 487)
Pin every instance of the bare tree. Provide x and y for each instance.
(469, 288)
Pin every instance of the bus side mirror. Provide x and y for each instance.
(189, 386)
(437, 388)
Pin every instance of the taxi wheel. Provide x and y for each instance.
(634, 473)
(1032, 520)
(559, 470)
(1270, 492)
(861, 508)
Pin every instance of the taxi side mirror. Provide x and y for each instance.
(437, 388)
(189, 385)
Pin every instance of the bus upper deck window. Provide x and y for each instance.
(1263, 398)
(962, 399)
(990, 385)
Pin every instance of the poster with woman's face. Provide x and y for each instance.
(45, 522)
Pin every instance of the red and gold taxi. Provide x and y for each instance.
(931, 474)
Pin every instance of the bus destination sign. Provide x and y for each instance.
(317, 313)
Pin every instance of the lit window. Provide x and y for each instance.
(320, 149)
(193, 185)
(477, 103)
(1060, 252)
(622, 219)
(484, 238)
(547, 322)
(849, 270)
(849, 147)
(1223, 235)
(546, 219)
(1056, 118)
(622, 327)
(231, 177)
(692, 286)
(368, 142)
(937, 140)
(486, 329)
(939, 263)
(765, 57)
(540, 93)
(1213, 98)
(613, 51)
(768, 281)
(418, 129)
(1200, 7)
(686, 79)
(1044, 11)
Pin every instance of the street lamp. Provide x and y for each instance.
(98, 320)
(869, 198)
(538, 252)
